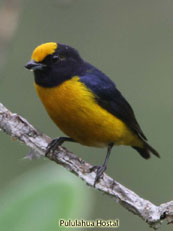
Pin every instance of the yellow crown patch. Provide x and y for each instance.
(43, 50)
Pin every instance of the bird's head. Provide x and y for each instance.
(52, 62)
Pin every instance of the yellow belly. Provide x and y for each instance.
(74, 110)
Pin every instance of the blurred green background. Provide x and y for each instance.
(131, 41)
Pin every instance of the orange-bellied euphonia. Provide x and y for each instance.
(84, 103)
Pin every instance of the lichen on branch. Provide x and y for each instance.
(18, 127)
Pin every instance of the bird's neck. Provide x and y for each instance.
(51, 78)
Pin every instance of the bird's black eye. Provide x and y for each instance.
(55, 58)
(58, 58)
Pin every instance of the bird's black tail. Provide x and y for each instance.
(146, 150)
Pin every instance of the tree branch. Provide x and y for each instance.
(19, 128)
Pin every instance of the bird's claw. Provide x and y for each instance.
(52, 146)
(99, 172)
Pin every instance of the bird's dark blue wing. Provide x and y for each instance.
(110, 98)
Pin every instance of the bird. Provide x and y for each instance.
(84, 103)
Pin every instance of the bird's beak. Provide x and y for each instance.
(32, 65)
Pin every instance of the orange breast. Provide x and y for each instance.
(74, 110)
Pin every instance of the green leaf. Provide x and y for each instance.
(39, 198)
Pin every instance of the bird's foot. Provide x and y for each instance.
(52, 146)
(99, 172)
